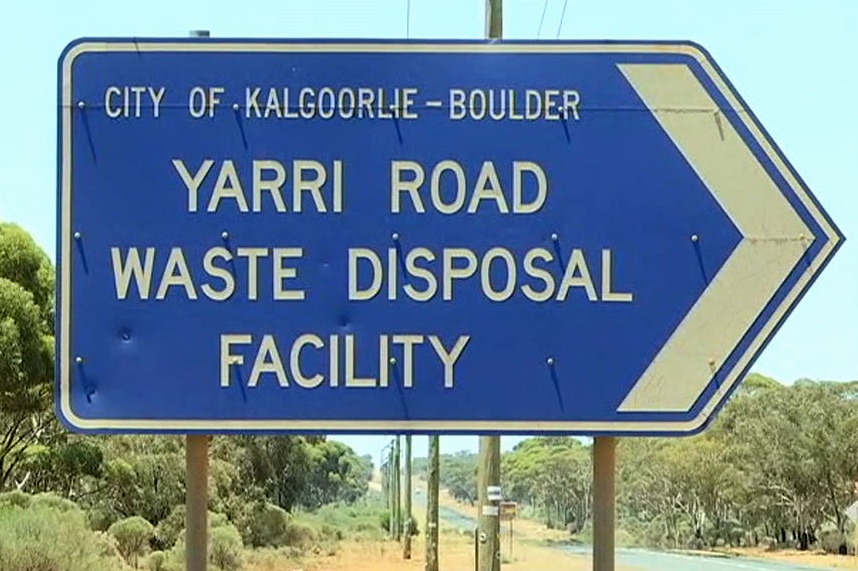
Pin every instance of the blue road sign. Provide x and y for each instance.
(368, 236)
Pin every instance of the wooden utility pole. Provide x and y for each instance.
(488, 492)
(406, 543)
(494, 19)
(196, 502)
(432, 505)
(604, 502)
(396, 518)
(387, 484)
(488, 536)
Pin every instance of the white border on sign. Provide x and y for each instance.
(832, 236)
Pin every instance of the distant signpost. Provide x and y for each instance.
(371, 236)
(508, 511)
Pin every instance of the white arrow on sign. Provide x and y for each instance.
(774, 240)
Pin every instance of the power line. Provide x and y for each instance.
(562, 16)
(542, 19)
(407, 19)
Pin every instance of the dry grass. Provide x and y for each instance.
(811, 559)
(456, 553)
(522, 528)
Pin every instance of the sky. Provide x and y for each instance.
(791, 60)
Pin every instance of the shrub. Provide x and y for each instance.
(225, 548)
(384, 519)
(301, 535)
(265, 525)
(132, 537)
(108, 548)
(52, 500)
(15, 498)
(623, 538)
(169, 528)
(49, 539)
(832, 541)
(101, 518)
(157, 561)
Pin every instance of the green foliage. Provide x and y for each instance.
(833, 541)
(15, 498)
(301, 535)
(23, 262)
(337, 475)
(141, 475)
(132, 537)
(225, 548)
(44, 538)
(384, 521)
(26, 321)
(60, 466)
(553, 474)
(156, 561)
(779, 462)
(52, 500)
(26, 349)
(265, 525)
(458, 474)
(168, 529)
(334, 522)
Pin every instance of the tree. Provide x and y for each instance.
(337, 475)
(459, 475)
(26, 346)
(132, 537)
(278, 465)
(553, 474)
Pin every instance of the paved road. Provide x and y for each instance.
(661, 561)
(648, 560)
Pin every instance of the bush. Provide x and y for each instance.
(225, 548)
(132, 537)
(101, 518)
(108, 548)
(171, 529)
(832, 541)
(384, 519)
(157, 561)
(623, 538)
(54, 501)
(168, 529)
(49, 539)
(15, 498)
(301, 535)
(265, 525)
